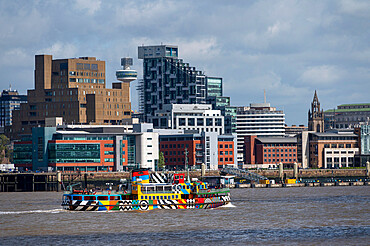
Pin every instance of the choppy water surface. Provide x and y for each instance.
(309, 215)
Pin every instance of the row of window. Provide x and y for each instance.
(165, 146)
(277, 155)
(226, 146)
(337, 145)
(226, 153)
(278, 150)
(277, 160)
(280, 145)
(226, 159)
(80, 80)
(160, 197)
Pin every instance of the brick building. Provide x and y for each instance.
(74, 89)
(269, 151)
(211, 149)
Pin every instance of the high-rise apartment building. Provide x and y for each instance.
(9, 100)
(258, 119)
(169, 80)
(74, 89)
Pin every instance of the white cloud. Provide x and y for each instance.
(90, 5)
(61, 50)
(206, 48)
(15, 57)
(322, 75)
(355, 7)
(277, 28)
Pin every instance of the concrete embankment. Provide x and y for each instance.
(358, 183)
(14, 182)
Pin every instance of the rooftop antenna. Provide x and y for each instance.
(264, 94)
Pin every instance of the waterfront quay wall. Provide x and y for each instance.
(28, 182)
(315, 173)
(14, 182)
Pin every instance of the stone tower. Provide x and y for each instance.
(315, 116)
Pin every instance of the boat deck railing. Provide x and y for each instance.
(243, 174)
(223, 190)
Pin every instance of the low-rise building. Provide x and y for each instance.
(270, 151)
(332, 149)
(98, 148)
(215, 151)
(292, 131)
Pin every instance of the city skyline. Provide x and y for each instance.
(288, 48)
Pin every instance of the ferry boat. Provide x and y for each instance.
(148, 192)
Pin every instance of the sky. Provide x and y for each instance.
(288, 48)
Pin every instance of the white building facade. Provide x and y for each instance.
(258, 119)
(196, 117)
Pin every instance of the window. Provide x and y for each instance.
(200, 122)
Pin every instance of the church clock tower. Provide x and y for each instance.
(315, 116)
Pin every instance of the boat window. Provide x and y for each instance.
(157, 197)
(161, 197)
(146, 197)
(88, 198)
(165, 197)
(150, 197)
(103, 198)
(77, 198)
(177, 196)
(168, 188)
(114, 198)
(173, 196)
(150, 188)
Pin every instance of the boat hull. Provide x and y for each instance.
(144, 205)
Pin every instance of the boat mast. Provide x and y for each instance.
(186, 164)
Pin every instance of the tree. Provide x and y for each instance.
(161, 164)
(5, 150)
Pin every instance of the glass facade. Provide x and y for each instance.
(22, 153)
(74, 153)
(131, 151)
(214, 87)
(365, 140)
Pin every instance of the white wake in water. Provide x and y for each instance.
(52, 211)
(229, 205)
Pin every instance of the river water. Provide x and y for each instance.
(275, 216)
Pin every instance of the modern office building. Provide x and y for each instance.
(332, 149)
(229, 112)
(74, 89)
(196, 117)
(10, 100)
(215, 151)
(258, 119)
(347, 116)
(90, 148)
(364, 153)
(268, 152)
(214, 87)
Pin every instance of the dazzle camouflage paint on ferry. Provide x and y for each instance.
(160, 191)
